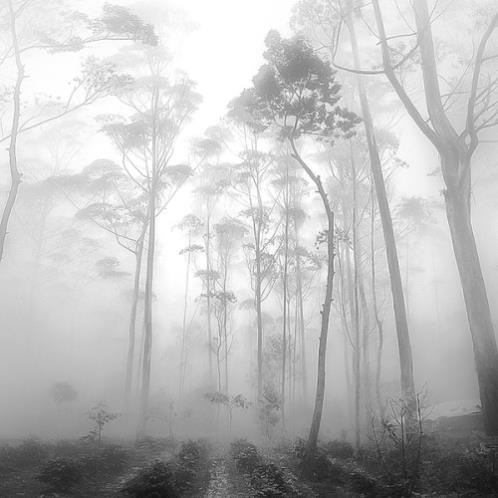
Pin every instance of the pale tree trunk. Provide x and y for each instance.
(225, 323)
(402, 332)
(184, 321)
(299, 298)
(375, 305)
(15, 175)
(365, 339)
(147, 352)
(257, 229)
(455, 156)
(455, 165)
(285, 282)
(148, 298)
(325, 313)
(477, 305)
(356, 309)
(208, 291)
(133, 319)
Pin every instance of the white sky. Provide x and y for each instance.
(224, 49)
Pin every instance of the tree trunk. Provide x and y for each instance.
(476, 302)
(286, 311)
(15, 175)
(147, 356)
(404, 344)
(356, 308)
(184, 320)
(259, 318)
(327, 304)
(302, 331)
(378, 321)
(208, 292)
(147, 353)
(133, 319)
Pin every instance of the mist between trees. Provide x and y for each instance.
(319, 261)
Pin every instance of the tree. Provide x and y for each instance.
(146, 140)
(333, 14)
(96, 81)
(122, 212)
(191, 225)
(229, 234)
(249, 179)
(456, 149)
(296, 91)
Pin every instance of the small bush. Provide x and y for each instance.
(245, 455)
(268, 480)
(193, 453)
(113, 458)
(363, 484)
(156, 481)
(28, 454)
(189, 462)
(60, 474)
(463, 471)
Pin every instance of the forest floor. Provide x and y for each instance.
(195, 469)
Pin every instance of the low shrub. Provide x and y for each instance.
(245, 455)
(268, 480)
(113, 458)
(27, 454)
(156, 481)
(463, 472)
(60, 474)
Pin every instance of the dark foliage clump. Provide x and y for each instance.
(60, 474)
(320, 467)
(29, 453)
(245, 455)
(190, 461)
(468, 472)
(113, 458)
(268, 480)
(156, 481)
(363, 483)
(109, 460)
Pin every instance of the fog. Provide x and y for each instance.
(268, 221)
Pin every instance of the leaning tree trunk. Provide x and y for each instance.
(476, 302)
(404, 344)
(327, 305)
(15, 175)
